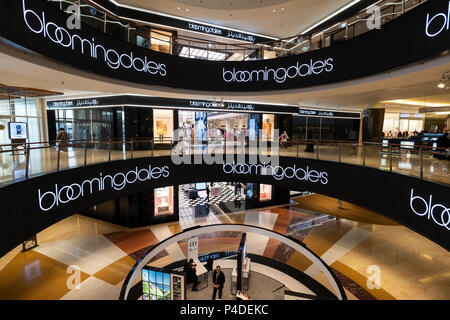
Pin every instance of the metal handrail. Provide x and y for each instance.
(295, 143)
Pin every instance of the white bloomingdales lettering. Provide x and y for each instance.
(278, 172)
(439, 24)
(280, 75)
(438, 212)
(60, 195)
(205, 29)
(59, 35)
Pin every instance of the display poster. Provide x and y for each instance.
(249, 190)
(163, 201)
(252, 130)
(162, 125)
(268, 127)
(177, 287)
(200, 186)
(265, 192)
(200, 125)
(18, 130)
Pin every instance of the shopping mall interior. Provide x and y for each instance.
(301, 147)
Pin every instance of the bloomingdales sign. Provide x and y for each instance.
(437, 212)
(278, 172)
(38, 24)
(61, 195)
(438, 23)
(280, 75)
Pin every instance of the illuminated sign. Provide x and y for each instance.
(328, 114)
(442, 20)
(39, 24)
(279, 75)
(278, 172)
(61, 195)
(439, 213)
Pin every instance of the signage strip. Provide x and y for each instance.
(144, 101)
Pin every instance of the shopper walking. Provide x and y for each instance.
(207, 193)
(218, 281)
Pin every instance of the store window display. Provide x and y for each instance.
(164, 201)
(268, 127)
(265, 192)
(163, 125)
(200, 125)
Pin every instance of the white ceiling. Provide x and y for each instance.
(419, 82)
(289, 18)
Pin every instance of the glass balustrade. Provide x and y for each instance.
(22, 161)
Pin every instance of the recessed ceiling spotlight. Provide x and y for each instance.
(187, 10)
(441, 85)
(273, 10)
(282, 9)
(179, 8)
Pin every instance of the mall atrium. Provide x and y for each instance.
(233, 150)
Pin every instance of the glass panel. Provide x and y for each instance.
(19, 107)
(161, 41)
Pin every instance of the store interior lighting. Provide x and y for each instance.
(202, 54)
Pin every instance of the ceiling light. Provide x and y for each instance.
(441, 85)
(274, 10)
(179, 8)
(331, 16)
(417, 103)
(443, 112)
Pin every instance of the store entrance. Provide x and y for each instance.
(213, 126)
(224, 197)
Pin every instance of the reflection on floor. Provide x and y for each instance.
(99, 255)
(345, 210)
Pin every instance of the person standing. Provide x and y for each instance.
(283, 140)
(218, 281)
(62, 139)
(193, 274)
(207, 193)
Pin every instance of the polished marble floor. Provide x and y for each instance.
(405, 162)
(84, 258)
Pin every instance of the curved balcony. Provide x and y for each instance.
(22, 161)
(190, 47)
(412, 38)
(79, 175)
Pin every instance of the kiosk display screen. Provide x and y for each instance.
(156, 285)
(18, 130)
